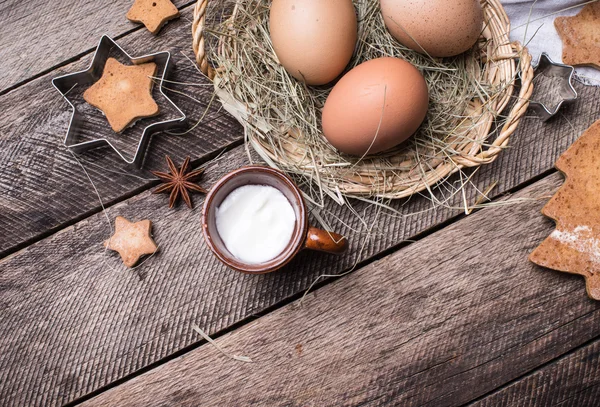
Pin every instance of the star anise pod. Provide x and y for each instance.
(179, 182)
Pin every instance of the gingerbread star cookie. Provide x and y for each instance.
(152, 13)
(123, 93)
(131, 240)
(581, 36)
(574, 246)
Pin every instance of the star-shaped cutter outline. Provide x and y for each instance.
(567, 91)
(89, 76)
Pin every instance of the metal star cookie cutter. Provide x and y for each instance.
(566, 91)
(64, 84)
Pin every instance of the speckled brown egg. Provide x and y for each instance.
(375, 106)
(313, 39)
(440, 28)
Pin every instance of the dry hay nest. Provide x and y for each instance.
(475, 104)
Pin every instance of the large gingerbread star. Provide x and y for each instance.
(131, 240)
(581, 36)
(152, 13)
(123, 93)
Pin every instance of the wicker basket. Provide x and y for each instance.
(501, 61)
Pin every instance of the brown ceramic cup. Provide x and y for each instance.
(303, 237)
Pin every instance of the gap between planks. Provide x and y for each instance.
(82, 54)
(515, 166)
(505, 395)
(239, 298)
(37, 222)
(495, 338)
(77, 245)
(31, 150)
(108, 204)
(298, 296)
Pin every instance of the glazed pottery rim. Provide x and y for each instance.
(295, 244)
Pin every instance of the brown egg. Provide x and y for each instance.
(375, 106)
(313, 39)
(440, 28)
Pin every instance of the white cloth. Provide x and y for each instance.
(540, 35)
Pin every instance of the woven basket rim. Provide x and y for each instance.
(504, 56)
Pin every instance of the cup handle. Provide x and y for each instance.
(323, 241)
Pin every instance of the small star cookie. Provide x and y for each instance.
(152, 13)
(131, 240)
(123, 93)
(581, 36)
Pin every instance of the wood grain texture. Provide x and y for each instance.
(37, 35)
(42, 187)
(573, 380)
(437, 323)
(94, 324)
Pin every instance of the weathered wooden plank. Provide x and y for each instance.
(437, 323)
(573, 380)
(41, 185)
(103, 324)
(31, 150)
(36, 36)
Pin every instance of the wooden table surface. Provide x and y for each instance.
(437, 308)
